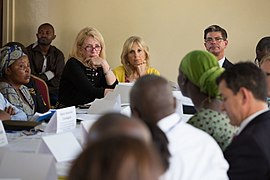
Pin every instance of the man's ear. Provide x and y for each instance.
(135, 112)
(226, 42)
(54, 36)
(245, 95)
(204, 45)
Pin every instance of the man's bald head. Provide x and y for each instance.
(115, 124)
(151, 98)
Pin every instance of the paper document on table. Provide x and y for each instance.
(88, 117)
(122, 89)
(64, 146)
(28, 166)
(3, 136)
(101, 106)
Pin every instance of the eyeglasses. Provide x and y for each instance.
(217, 39)
(91, 48)
(31, 132)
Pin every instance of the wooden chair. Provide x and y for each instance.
(43, 89)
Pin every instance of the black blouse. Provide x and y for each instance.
(80, 85)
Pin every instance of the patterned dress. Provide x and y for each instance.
(26, 105)
(215, 124)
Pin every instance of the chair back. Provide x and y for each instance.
(43, 89)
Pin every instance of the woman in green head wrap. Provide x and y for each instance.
(197, 79)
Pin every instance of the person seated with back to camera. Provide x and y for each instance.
(115, 124)
(135, 59)
(198, 72)
(117, 158)
(15, 72)
(87, 74)
(194, 153)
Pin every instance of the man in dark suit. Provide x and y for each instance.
(244, 91)
(215, 41)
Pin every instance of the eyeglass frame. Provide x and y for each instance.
(217, 39)
(31, 132)
(91, 48)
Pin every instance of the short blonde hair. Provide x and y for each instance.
(127, 48)
(82, 35)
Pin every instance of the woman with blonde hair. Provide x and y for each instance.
(135, 59)
(87, 74)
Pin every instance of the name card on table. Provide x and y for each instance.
(101, 106)
(62, 120)
(122, 89)
(85, 127)
(30, 166)
(3, 136)
(64, 146)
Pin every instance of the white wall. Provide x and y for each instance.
(171, 28)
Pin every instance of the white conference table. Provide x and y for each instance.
(19, 142)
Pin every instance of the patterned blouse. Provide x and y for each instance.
(26, 104)
(216, 124)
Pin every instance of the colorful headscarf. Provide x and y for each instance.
(202, 69)
(8, 56)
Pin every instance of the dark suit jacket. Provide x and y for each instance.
(227, 64)
(249, 153)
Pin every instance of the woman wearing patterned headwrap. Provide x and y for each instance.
(197, 79)
(14, 72)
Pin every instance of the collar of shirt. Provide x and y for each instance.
(51, 50)
(168, 123)
(249, 119)
(221, 61)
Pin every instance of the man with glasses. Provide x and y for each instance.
(215, 41)
(47, 62)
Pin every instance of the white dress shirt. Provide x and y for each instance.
(221, 61)
(194, 154)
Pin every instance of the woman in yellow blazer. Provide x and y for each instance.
(135, 61)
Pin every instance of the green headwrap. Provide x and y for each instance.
(202, 69)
